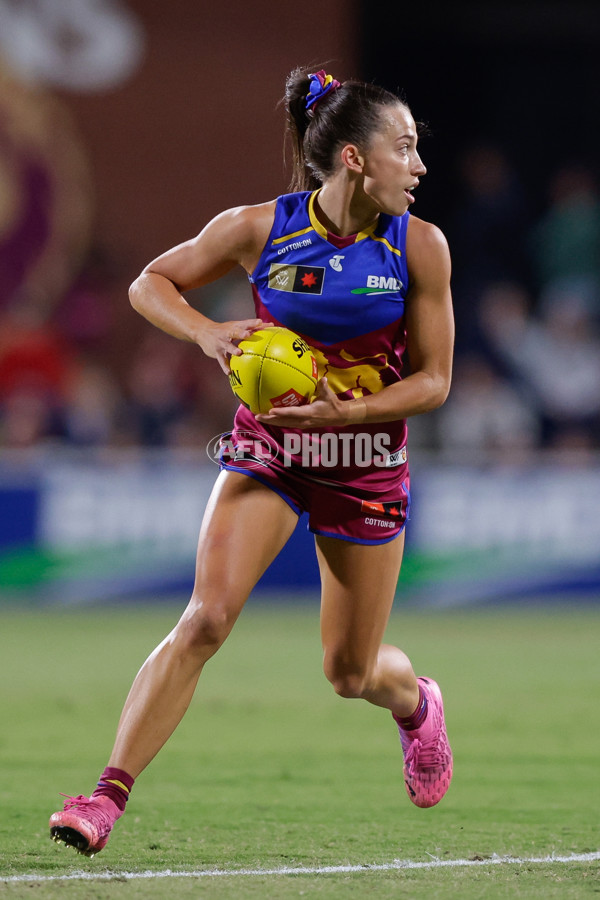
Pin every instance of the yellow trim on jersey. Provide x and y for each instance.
(387, 244)
(318, 227)
(368, 232)
(288, 237)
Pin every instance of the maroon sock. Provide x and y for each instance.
(116, 784)
(410, 723)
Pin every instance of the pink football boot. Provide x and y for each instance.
(427, 753)
(84, 823)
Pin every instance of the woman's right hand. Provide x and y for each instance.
(220, 340)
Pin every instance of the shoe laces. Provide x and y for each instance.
(425, 754)
(75, 801)
(92, 810)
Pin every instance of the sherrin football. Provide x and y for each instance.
(276, 368)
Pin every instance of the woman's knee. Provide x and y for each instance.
(349, 679)
(202, 629)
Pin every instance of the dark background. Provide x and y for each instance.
(522, 75)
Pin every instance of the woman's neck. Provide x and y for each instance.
(341, 211)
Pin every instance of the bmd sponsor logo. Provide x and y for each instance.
(380, 284)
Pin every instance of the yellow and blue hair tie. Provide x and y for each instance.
(321, 84)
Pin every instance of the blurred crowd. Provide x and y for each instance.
(526, 288)
(69, 378)
(527, 302)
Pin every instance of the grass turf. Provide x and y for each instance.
(270, 769)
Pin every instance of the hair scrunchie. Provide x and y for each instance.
(321, 84)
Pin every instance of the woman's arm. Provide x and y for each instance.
(235, 237)
(430, 342)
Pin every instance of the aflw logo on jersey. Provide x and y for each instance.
(380, 284)
(296, 279)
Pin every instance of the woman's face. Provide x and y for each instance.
(392, 165)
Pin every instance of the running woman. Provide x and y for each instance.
(342, 262)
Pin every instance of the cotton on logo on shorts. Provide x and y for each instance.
(394, 512)
(248, 448)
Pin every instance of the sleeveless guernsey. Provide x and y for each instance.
(346, 298)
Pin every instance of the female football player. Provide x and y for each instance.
(341, 262)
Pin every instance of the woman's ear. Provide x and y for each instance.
(352, 158)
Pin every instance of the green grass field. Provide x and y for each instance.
(271, 771)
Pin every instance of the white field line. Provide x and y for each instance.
(395, 865)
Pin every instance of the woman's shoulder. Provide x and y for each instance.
(255, 223)
(244, 227)
(244, 218)
(421, 231)
(426, 246)
(258, 214)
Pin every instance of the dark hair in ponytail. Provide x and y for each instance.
(348, 115)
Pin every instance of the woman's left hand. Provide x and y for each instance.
(325, 409)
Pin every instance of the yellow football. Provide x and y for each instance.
(276, 368)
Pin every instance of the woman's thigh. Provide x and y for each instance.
(245, 526)
(358, 587)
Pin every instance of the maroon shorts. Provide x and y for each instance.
(337, 510)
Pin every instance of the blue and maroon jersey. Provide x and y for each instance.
(345, 297)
